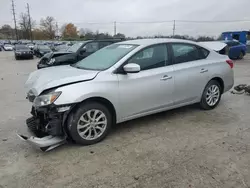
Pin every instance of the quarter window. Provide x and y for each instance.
(185, 53)
(152, 57)
(204, 53)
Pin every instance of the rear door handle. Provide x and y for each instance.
(166, 77)
(204, 70)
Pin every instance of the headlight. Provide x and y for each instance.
(47, 99)
(52, 61)
(18, 53)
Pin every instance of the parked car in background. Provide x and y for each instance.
(120, 82)
(22, 52)
(62, 48)
(1, 45)
(31, 46)
(75, 53)
(237, 50)
(8, 47)
(41, 50)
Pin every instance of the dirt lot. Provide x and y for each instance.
(186, 147)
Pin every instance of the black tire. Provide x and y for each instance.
(77, 114)
(203, 103)
(17, 58)
(241, 55)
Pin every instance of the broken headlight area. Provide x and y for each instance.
(48, 120)
(46, 99)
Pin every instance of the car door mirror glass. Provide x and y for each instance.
(132, 68)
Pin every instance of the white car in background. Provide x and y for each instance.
(8, 47)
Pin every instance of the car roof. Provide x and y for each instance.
(147, 42)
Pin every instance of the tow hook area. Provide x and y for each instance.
(46, 143)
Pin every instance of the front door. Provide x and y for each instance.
(151, 89)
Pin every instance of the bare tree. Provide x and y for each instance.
(6, 31)
(48, 26)
(25, 25)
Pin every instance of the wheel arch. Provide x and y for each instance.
(102, 101)
(221, 82)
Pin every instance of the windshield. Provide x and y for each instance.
(21, 47)
(44, 47)
(8, 45)
(75, 47)
(106, 57)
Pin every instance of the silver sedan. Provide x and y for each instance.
(125, 81)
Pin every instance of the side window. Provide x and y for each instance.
(91, 47)
(104, 43)
(152, 57)
(185, 53)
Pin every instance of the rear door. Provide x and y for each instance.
(190, 72)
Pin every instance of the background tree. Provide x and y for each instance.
(6, 31)
(120, 35)
(24, 25)
(38, 34)
(70, 31)
(48, 26)
(205, 38)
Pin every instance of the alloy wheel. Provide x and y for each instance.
(213, 95)
(92, 124)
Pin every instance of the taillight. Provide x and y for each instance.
(230, 63)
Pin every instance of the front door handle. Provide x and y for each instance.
(166, 77)
(204, 70)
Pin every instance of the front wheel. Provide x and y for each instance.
(90, 123)
(211, 95)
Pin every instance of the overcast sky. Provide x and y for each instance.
(82, 12)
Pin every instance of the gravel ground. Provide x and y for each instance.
(186, 147)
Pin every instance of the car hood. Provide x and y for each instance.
(62, 52)
(52, 77)
(65, 57)
(23, 50)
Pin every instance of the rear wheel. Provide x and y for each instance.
(90, 123)
(241, 55)
(211, 95)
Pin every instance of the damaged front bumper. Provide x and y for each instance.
(47, 124)
(46, 143)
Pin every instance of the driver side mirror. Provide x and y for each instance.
(132, 68)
